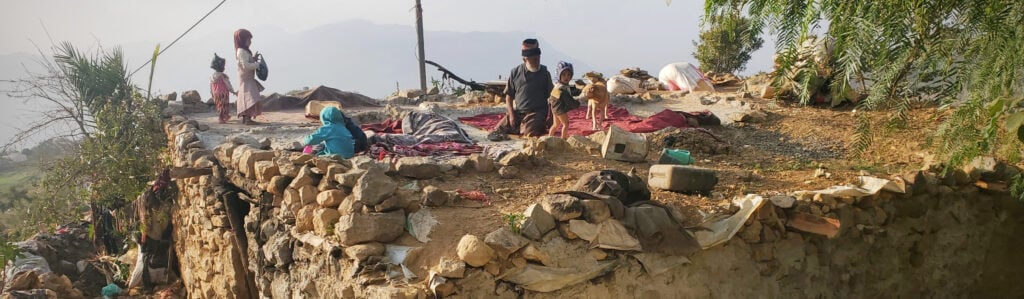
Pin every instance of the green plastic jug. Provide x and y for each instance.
(674, 156)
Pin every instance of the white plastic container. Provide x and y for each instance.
(680, 178)
(624, 146)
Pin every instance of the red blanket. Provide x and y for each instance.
(390, 126)
(579, 125)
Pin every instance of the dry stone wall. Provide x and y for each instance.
(320, 227)
(207, 251)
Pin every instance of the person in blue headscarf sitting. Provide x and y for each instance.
(333, 138)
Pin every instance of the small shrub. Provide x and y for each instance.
(512, 221)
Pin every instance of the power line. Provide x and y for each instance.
(179, 37)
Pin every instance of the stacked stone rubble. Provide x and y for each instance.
(326, 221)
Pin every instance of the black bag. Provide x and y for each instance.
(261, 70)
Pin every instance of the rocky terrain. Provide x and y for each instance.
(794, 213)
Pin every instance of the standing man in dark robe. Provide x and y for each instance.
(526, 95)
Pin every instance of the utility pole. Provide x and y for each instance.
(419, 39)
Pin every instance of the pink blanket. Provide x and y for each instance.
(579, 125)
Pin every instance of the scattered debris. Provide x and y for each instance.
(718, 232)
(420, 224)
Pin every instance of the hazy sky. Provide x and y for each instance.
(605, 34)
(614, 32)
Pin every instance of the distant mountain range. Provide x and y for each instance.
(353, 56)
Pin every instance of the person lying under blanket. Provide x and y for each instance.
(424, 128)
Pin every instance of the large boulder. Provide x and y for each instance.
(304, 219)
(306, 177)
(331, 198)
(265, 170)
(595, 211)
(482, 163)
(583, 144)
(474, 251)
(433, 196)
(324, 219)
(308, 194)
(374, 187)
(362, 251)
(537, 222)
(350, 206)
(451, 268)
(325, 162)
(989, 169)
(292, 200)
(553, 144)
(243, 139)
(278, 184)
(286, 167)
(333, 170)
(514, 158)
(278, 250)
(563, 207)
(361, 228)
(171, 97)
(395, 202)
(173, 108)
(505, 242)
(191, 97)
(418, 168)
(508, 172)
(350, 178)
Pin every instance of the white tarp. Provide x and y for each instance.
(684, 77)
(420, 224)
(720, 231)
(868, 186)
(610, 234)
(395, 256)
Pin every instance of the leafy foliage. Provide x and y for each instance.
(8, 252)
(448, 86)
(117, 158)
(965, 55)
(118, 134)
(726, 44)
(1017, 187)
(513, 221)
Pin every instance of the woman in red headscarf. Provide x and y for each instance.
(249, 89)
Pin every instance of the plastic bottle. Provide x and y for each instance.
(674, 156)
